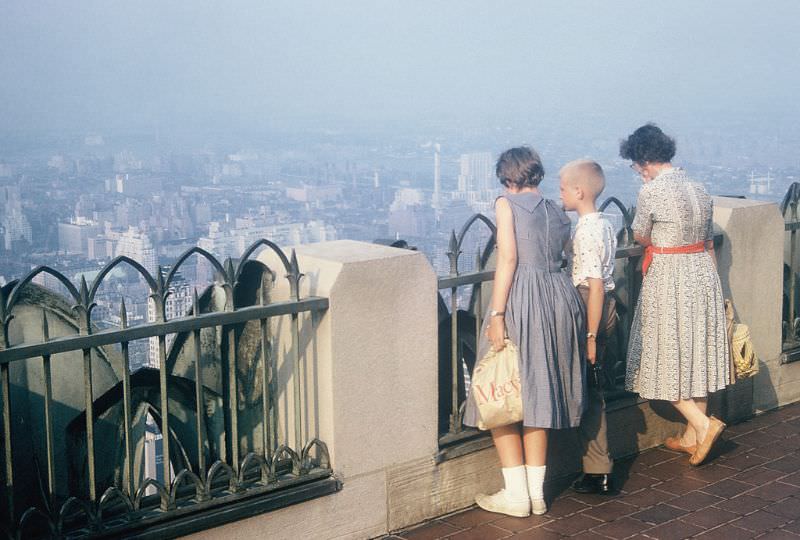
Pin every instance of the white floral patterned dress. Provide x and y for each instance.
(678, 341)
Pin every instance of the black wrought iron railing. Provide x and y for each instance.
(791, 267)
(226, 404)
(458, 335)
(458, 339)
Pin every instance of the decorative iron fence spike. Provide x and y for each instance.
(5, 319)
(45, 326)
(294, 276)
(160, 281)
(453, 245)
(453, 253)
(6, 342)
(230, 272)
(295, 266)
(84, 307)
(2, 305)
(230, 281)
(84, 291)
(123, 314)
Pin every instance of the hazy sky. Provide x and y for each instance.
(96, 65)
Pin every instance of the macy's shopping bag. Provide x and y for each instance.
(497, 389)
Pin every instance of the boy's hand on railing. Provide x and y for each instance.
(496, 332)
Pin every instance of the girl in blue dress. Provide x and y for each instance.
(536, 305)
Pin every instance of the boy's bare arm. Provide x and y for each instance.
(594, 312)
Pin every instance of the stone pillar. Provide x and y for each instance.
(381, 333)
(750, 264)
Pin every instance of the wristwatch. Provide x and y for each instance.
(591, 335)
(495, 313)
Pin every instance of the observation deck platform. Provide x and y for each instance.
(749, 489)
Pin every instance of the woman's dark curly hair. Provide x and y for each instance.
(520, 167)
(648, 144)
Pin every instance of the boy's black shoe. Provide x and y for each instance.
(593, 483)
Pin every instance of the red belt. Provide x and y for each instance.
(650, 250)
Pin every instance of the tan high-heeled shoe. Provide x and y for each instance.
(715, 428)
(674, 444)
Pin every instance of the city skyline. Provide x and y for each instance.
(143, 130)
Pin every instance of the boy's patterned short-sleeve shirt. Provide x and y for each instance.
(593, 248)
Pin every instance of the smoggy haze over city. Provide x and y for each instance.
(145, 129)
(248, 65)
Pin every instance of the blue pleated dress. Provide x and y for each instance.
(545, 318)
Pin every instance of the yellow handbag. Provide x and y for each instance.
(497, 388)
(744, 362)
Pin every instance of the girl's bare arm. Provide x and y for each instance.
(504, 272)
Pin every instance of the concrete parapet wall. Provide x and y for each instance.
(373, 365)
(423, 489)
(375, 369)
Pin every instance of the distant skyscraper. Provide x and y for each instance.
(119, 183)
(761, 185)
(437, 178)
(407, 197)
(13, 222)
(73, 237)
(475, 172)
(178, 304)
(137, 245)
(231, 241)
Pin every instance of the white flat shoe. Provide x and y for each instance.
(538, 507)
(501, 504)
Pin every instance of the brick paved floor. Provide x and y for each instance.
(749, 489)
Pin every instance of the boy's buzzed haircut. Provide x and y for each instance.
(586, 173)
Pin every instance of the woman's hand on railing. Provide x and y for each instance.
(711, 252)
(496, 332)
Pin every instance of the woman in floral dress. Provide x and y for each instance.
(678, 344)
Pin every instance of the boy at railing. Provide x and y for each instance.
(593, 246)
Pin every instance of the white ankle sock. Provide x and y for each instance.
(514, 478)
(536, 481)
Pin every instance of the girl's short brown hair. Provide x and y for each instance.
(520, 167)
